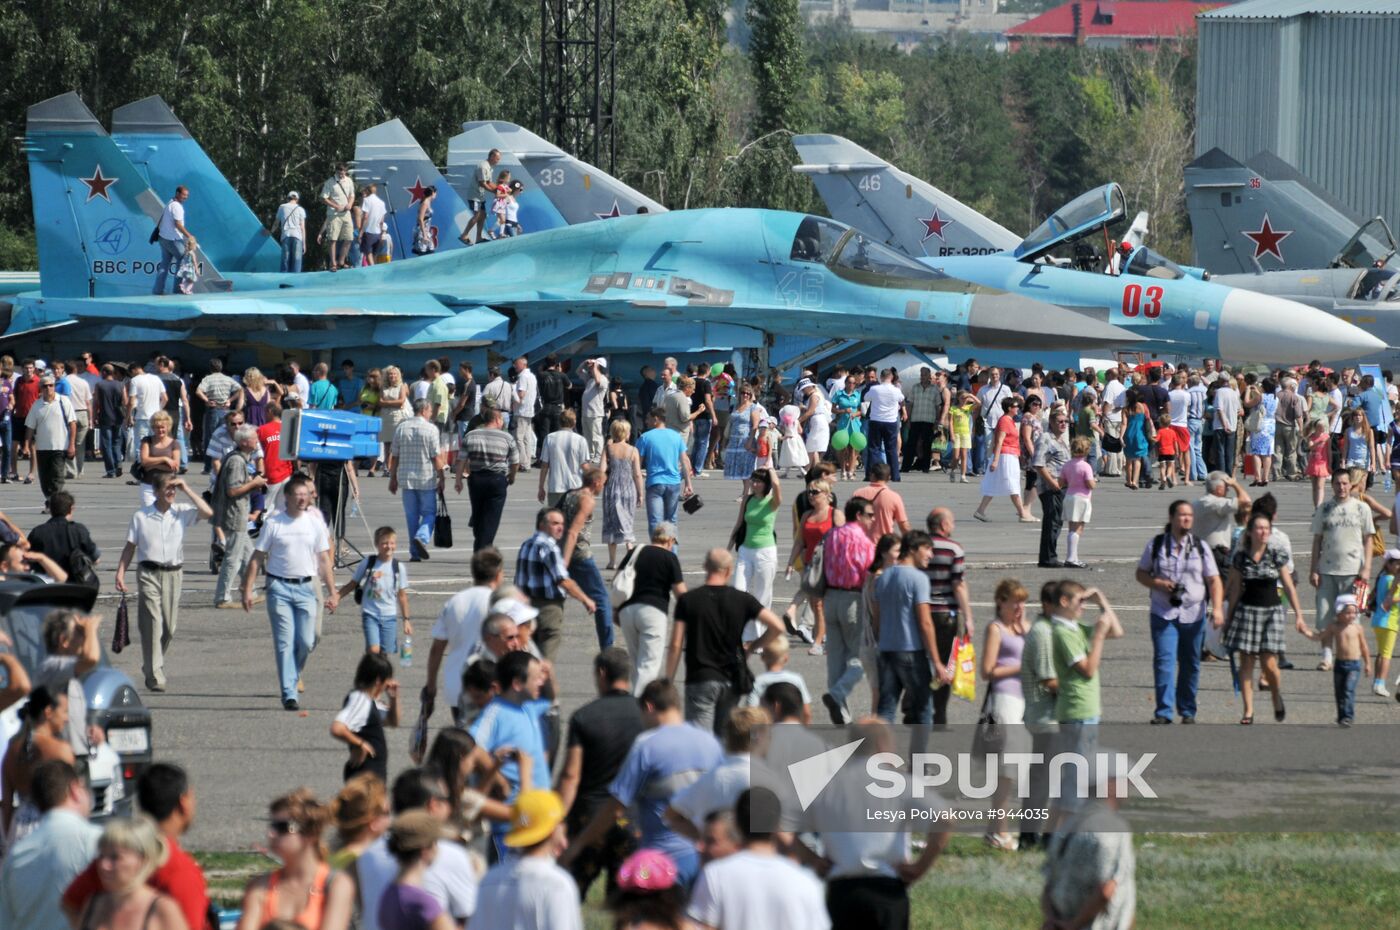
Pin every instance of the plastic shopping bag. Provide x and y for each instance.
(964, 669)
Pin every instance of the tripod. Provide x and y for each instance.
(346, 553)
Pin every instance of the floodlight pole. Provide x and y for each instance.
(578, 54)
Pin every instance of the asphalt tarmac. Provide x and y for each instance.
(221, 717)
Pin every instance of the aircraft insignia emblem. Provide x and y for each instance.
(614, 212)
(97, 185)
(1267, 239)
(417, 191)
(934, 226)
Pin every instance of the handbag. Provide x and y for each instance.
(1111, 444)
(1378, 543)
(990, 736)
(625, 581)
(813, 573)
(1255, 421)
(442, 524)
(692, 503)
(121, 630)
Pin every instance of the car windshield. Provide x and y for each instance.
(1150, 264)
(816, 240)
(1100, 206)
(866, 261)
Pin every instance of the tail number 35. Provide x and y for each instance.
(1147, 301)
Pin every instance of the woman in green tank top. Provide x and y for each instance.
(757, 563)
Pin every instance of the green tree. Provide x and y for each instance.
(778, 62)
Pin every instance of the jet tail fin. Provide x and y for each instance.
(1263, 215)
(579, 192)
(93, 211)
(165, 153)
(865, 191)
(466, 150)
(391, 157)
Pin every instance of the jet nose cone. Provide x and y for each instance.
(1259, 328)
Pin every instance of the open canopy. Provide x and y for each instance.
(1102, 206)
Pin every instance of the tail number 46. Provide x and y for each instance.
(1134, 302)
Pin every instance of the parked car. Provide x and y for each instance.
(113, 702)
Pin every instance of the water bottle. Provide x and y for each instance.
(406, 654)
(354, 506)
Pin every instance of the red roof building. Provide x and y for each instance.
(1111, 23)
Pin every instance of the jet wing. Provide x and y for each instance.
(156, 311)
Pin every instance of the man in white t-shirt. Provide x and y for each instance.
(296, 548)
(1112, 412)
(146, 394)
(175, 240)
(450, 878)
(990, 396)
(886, 404)
(530, 890)
(372, 213)
(595, 395)
(1179, 407)
(458, 626)
(478, 195)
(51, 428)
(758, 889)
(526, 393)
(291, 223)
(1227, 423)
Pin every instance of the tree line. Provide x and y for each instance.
(275, 91)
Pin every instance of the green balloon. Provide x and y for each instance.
(716, 369)
(840, 440)
(858, 441)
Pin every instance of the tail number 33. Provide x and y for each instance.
(1147, 301)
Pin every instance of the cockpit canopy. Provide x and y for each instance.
(1150, 264)
(1102, 206)
(1377, 284)
(856, 257)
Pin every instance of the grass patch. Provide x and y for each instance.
(1256, 881)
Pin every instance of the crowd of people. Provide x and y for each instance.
(509, 814)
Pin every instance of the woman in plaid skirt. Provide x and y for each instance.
(1255, 628)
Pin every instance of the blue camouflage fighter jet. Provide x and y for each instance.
(761, 271)
(1168, 309)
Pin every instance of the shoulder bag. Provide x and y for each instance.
(442, 524)
(81, 568)
(990, 736)
(625, 581)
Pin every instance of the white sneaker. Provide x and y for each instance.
(804, 632)
(1379, 690)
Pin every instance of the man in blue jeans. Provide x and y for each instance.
(886, 404)
(901, 621)
(417, 464)
(1180, 571)
(296, 549)
(579, 506)
(668, 469)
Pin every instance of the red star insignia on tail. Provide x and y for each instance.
(610, 214)
(1267, 239)
(417, 191)
(97, 185)
(934, 225)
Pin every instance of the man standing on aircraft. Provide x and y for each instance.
(338, 194)
(291, 221)
(372, 211)
(175, 240)
(482, 192)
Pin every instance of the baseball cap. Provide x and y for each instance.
(1392, 554)
(293, 195)
(533, 817)
(516, 609)
(646, 871)
(1344, 600)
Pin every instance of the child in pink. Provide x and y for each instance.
(1079, 481)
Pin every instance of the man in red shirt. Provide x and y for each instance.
(164, 792)
(890, 516)
(274, 468)
(26, 393)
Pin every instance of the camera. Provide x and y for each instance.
(1178, 592)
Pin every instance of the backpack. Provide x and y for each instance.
(365, 578)
(81, 568)
(1197, 545)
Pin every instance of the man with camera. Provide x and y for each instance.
(1179, 569)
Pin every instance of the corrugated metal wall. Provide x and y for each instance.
(1321, 92)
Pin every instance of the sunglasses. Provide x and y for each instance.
(283, 827)
(867, 513)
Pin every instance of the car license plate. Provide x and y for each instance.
(129, 740)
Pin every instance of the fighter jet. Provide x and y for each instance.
(767, 272)
(1266, 227)
(1167, 309)
(388, 156)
